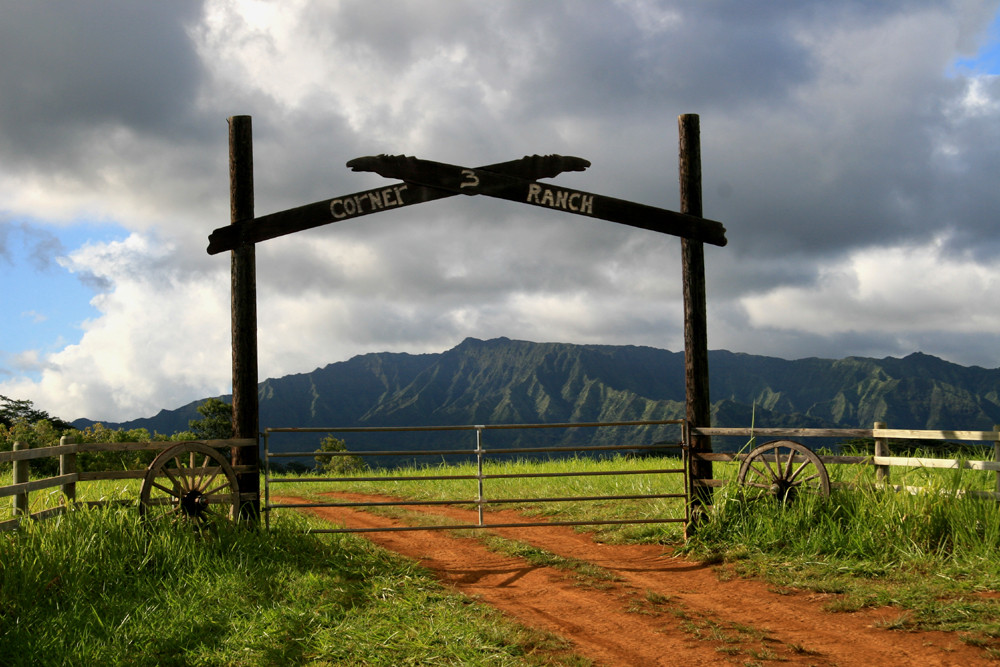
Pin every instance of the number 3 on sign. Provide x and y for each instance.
(471, 180)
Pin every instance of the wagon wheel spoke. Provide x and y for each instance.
(770, 473)
(177, 484)
(802, 467)
(788, 465)
(216, 489)
(210, 480)
(169, 512)
(213, 511)
(183, 474)
(202, 472)
(805, 481)
(166, 490)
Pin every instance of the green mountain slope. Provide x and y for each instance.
(504, 381)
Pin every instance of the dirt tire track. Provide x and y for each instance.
(652, 615)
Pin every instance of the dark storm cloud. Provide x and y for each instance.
(69, 67)
(40, 246)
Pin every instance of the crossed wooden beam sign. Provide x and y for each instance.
(424, 180)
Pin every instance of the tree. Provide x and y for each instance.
(342, 465)
(13, 410)
(114, 460)
(217, 423)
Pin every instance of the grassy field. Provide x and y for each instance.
(98, 587)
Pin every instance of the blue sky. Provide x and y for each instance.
(987, 58)
(849, 148)
(46, 304)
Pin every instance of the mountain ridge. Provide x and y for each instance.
(504, 381)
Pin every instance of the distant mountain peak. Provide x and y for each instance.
(514, 381)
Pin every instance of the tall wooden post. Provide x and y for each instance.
(20, 476)
(699, 407)
(246, 419)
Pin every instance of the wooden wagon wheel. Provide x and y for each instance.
(189, 482)
(784, 470)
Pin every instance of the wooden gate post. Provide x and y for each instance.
(699, 407)
(246, 419)
(67, 466)
(881, 449)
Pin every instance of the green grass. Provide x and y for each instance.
(101, 490)
(100, 587)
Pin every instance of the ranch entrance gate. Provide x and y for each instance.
(423, 181)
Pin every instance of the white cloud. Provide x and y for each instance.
(895, 290)
(161, 337)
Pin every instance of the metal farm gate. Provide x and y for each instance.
(479, 496)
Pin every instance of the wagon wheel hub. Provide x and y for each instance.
(193, 503)
(783, 490)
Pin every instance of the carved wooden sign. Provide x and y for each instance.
(424, 180)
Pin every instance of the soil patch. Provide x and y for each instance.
(651, 608)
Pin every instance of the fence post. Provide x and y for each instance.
(881, 449)
(20, 477)
(479, 469)
(996, 454)
(67, 466)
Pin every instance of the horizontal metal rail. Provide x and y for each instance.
(480, 452)
(513, 475)
(473, 501)
(469, 427)
(477, 526)
(473, 452)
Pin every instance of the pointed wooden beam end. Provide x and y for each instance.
(530, 166)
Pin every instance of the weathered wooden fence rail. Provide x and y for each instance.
(22, 486)
(882, 459)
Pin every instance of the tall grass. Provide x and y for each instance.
(930, 553)
(101, 587)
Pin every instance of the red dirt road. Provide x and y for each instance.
(656, 609)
